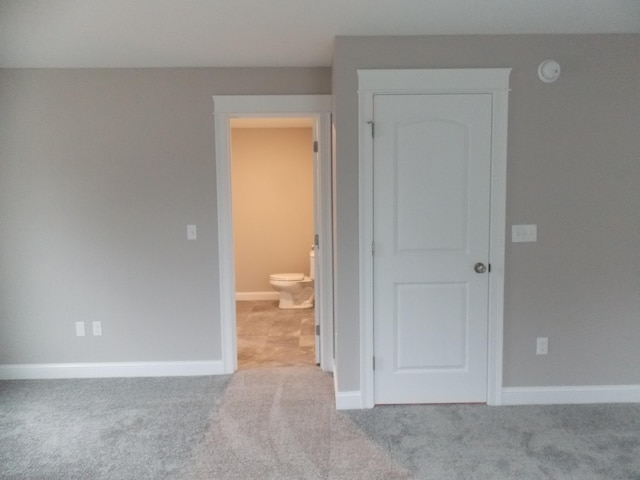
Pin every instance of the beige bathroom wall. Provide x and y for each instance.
(272, 195)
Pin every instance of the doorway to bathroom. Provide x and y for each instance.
(273, 169)
(272, 193)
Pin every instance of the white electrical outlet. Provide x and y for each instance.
(80, 329)
(97, 329)
(542, 346)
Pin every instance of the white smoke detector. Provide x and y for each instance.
(549, 71)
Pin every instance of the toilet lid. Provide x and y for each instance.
(287, 277)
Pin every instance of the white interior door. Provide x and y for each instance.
(317, 228)
(431, 226)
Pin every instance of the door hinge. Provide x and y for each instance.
(489, 268)
(374, 363)
(373, 128)
(318, 330)
(316, 240)
(373, 248)
(315, 146)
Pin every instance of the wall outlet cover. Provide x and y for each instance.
(97, 329)
(542, 346)
(80, 329)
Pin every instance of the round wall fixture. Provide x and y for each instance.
(549, 71)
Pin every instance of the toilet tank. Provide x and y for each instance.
(312, 256)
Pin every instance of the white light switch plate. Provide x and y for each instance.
(524, 233)
(192, 233)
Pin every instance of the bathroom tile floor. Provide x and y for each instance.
(271, 337)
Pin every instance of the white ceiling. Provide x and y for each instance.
(184, 33)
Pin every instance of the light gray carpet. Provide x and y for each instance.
(281, 423)
(277, 423)
(454, 442)
(138, 428)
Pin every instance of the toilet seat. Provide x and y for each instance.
(287, 277)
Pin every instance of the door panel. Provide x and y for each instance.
(422, 341)
(419, 208)
(432, 157)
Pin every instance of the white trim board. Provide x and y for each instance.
(351, 400)
(251, 105)
(494, 81)
(248, 296)
(571, 395)
(512, 396)
(110, 369)
(227, 107)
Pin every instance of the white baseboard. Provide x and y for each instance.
(348, 400)
(246, 296)
(570, 395)
(534, 396)
(111, 369)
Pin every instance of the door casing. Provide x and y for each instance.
(317, 107)
(494, 81)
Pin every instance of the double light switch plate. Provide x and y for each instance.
(524, 233)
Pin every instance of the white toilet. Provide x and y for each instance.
(296, 290)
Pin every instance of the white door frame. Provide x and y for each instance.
(494, 81)
(317, 107)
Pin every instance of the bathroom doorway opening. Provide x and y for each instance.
(254, 135)
(272, 197)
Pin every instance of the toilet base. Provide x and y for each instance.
(285, 305)
(297, 295)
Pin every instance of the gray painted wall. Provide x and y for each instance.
(100, 172)
(573, 169)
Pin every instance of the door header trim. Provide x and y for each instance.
(452, 80)
(282, 105)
